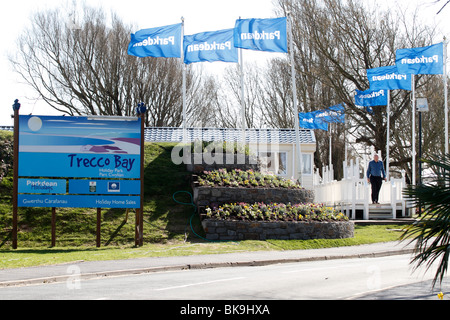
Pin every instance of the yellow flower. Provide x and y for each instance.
(440, 296)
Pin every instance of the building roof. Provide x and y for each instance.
(270, 136)
(7, 128)
(276, 136)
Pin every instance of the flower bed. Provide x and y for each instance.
(240, 178)
(216, 196)
(242, 205)
(274, 212)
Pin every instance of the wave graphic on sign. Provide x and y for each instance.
(78, 135)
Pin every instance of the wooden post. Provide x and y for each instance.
(139, 233)
(99, 226)
(53, 227)
(16, 107)
(141, 210)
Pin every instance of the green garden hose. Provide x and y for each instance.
(193, 215)
(189, 204)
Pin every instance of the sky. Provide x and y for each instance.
(199, 15)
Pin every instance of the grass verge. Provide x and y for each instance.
(27, 257)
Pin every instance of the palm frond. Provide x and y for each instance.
(431, 234)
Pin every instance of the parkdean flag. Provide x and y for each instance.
(158, 42)
(210, 47)
(334, 114)
(371, 98)
(261, 34)
(308, 120)
(425, 60)
(388, 78)
(321, 118)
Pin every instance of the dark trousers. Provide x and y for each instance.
(376, 183)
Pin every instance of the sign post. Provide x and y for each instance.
(16, 108)
(141, 112)
(53, 227)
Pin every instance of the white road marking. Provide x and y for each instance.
(199, 284)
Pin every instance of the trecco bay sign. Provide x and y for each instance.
(79, 162)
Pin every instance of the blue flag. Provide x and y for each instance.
(425, 60)
(261, 34)
(210, 46)
(308, 120)
(371, 98)
(334, 114)
(321, 118)
(388, 78)
(157, 42)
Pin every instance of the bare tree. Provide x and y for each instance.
(229, 99)
(80, 65)
(335, 42)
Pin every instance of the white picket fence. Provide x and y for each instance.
(354, 193)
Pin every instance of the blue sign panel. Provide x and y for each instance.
(72, 201)
(79, 165)
(105, 187)
(80, 147)
(42, 186)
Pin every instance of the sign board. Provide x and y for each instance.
(57, 154)
(422, 105)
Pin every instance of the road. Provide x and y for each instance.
(371, 278)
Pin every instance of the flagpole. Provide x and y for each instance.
(330, 125)
(184, 83)
(243, 122)
(388, 110)
(413, 83)
(345, 140)
(446, 97)
(294, 93)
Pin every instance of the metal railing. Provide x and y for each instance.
(353, 192)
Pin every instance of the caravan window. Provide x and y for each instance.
(306, 163)
(275, 162)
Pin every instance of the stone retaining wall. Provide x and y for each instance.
(208, 196)
(259, 230)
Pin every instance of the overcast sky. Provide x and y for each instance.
(200, 16)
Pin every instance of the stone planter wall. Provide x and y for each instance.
(208, 196)
(259, 230)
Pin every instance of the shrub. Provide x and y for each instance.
(6, 153)
(274, 212)
(249, 178)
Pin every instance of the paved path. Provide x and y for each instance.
(90, 270)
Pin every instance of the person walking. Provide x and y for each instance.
(375, 176)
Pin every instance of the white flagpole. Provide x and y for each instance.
(388, 110)
(330, 160)
(446, 97)
(241, 70)
(243, 124)
(413, 182)
(184, 82)
(294, 92)
(345, 140)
